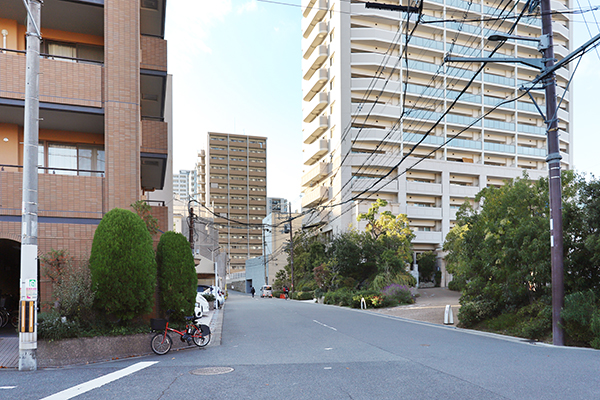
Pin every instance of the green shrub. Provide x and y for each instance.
(474, 312)
(123, 266)
(595, 326)
(437, 278)
(456, 284)
(53, 326)
(304, 295)
(577, 316)
(340, 297)
(71, 285)
(177, 279)
(536, 321)
(209, 297)
(398, 294)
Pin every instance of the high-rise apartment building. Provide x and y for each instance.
(182, 184)
(277, 205)
(236, 189)
(376, 89)
(104, 136)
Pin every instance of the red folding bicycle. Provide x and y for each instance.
(194, 331)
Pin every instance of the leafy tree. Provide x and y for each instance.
(502, 251)
(123, 265)
(427, 262)
(71, 285)
(177, 280)
(144, 210)
(390, 248)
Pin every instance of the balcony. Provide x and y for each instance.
(316, 196)
(154, 137)
(374, 111)
(424, 212)
(362, 184)
(374, 61)
(463, 191)
(154, 53)
(316, 174)
(315, 61)
(431, 237)
(307, 7)
(315, 84)
(59, 196)
(423, 188)
(376, 135)
(316, 37)
(315, 129)
(315, 15)
(377, 86)
(314, 152)
(374, 37)
(68, 83)
(316, 106)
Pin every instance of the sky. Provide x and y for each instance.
(237, 68)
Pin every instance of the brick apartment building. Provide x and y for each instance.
(104, 138)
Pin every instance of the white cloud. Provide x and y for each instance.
(191, 22)
(250, 6)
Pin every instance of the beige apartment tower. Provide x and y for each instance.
(376, 89)
(236, 190)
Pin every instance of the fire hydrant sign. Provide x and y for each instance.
(30, 286)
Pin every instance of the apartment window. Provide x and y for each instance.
(217, 158)
(257, 151)
(217, 138)
(71, 159)
(257, 169)
(237, 159)
(217, 148)
(257, 179)
(258, 160)
(72, 51)
(237, 149)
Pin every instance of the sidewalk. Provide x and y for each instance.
(69, 351)
(429, 306)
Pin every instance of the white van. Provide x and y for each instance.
(266, 291)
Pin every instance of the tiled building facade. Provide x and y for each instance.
(376, 89)
(104, 137)
(236, 190)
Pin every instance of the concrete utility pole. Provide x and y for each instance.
(191, 227)
(553, 160)
(29, 219)
(291, 249)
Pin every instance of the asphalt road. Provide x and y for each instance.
(277, 349)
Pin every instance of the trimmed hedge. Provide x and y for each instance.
(123, 266)
(177, 279)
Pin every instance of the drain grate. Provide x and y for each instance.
(212, 371)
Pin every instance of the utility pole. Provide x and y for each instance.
(291, 248)
(29, 219)
(547, 66)
(265, 255)
(553, 160)
(191, 227)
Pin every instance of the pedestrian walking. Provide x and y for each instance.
(252, 291)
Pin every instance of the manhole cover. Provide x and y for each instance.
(212, 371)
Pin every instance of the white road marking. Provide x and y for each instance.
(327, 368)
(328, 348)
(322, 324)
(96, 383)
(7, 387)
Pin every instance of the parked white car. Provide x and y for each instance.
(219, 297)
(201, 305)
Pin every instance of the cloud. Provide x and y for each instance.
(250, 6)
(195, 20)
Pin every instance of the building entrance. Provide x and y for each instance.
(10, 271)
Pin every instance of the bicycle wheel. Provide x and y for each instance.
(161, 343)
(3, 318)
(199, 339)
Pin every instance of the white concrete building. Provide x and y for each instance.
(374, 103)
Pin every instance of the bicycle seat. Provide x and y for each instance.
(193, 318)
